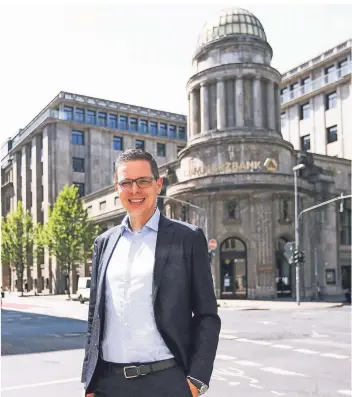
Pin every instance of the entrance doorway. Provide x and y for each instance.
(283, 271)
(233, 269)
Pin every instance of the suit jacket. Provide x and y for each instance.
(184, 302)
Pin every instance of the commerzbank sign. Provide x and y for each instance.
(195, 169)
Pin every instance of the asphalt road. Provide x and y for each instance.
(261, 353)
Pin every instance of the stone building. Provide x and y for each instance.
(236, 170)
(64, 144)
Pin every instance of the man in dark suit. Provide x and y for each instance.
(153, 326)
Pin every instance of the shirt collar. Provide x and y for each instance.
(153, 222)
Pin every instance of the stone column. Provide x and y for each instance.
(26, 177)
(257, 103)
(16, 178)
(204, 108)
(239, 102)
(270, 101)
(220, 104)
(277, 108)
(189, 135)
(194, 112)
(340, 131)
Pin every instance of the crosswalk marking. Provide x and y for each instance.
(277, 393)
(278, 346)
(280, 371)
(225, 357)
(345, 392)
(306, 351)
(333, 355)
(246, 363)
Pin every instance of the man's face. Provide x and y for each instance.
(137, 200)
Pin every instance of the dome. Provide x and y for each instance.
(231, 22)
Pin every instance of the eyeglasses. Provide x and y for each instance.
(142, 183)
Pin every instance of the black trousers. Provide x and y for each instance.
(170, 382)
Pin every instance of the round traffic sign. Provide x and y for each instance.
(213, 244)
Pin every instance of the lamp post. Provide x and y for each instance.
(295, 170)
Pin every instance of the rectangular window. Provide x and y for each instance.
(102, 119)
(304, 111)
(181, 132)
(102, 205)
(342, 68)
(90, 117)
(162, 129)
(283, 119)
(161, 149)
(117, 143)
(345, 227)
(284, 94)
(153, 128)
(331, 134)
(80, 115)
(139, 144)
(89, 210)
(172, 131)
(143, 126)
(68, 113)
(80, 187)
(133, 124)
(77, 164)
(305, 85)
(77, 138)
(305, 142)
(112, 120)
(294, 90)
(117, 200)
(330, 101)
(329, 71)
(124, 123)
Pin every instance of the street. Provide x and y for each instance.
(293, 353)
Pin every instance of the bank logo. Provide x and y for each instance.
(270, 165)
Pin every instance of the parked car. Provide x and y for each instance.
(83, 290)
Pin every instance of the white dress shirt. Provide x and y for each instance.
(130, 332)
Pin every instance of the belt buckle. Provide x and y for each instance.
(138, 372)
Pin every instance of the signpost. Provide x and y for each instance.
(212, 244)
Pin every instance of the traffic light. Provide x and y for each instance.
(301, 257)
(311, 171)
(296, 256)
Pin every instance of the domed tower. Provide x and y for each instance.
(236, 170)
(233, 89)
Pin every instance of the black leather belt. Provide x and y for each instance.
(135, 371)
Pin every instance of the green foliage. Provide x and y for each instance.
(17, 240)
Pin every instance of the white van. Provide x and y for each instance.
(83, 290)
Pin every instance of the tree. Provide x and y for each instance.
(91, 232)
(67, 231)
(17, 241)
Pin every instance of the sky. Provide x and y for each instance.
(135, 53)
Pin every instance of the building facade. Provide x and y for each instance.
(66, 143)
(236, 170)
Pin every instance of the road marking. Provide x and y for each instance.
(278, 346)
(267, 322)
(223, 336)
(53, 382)
(256, 386)
(345, 392)
(225, 357)
(234, 383)
(279, 371)
(305, 351)
(256, 342)
(333, 355)
(248, 363)
(277, 393)
(73, 334)
(317, 335)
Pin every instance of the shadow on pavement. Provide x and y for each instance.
(25, 333)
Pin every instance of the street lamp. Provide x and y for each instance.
(295, 169)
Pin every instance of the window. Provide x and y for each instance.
(89, 210)
(77, 164)
(117, 143)
(285, 210)
(102, 119)
(102, 205)
(80, 187)
(329, 73)
(294, 90)
(231, 210)
(112, 120)
(143, 126)
(90, 117)
(161, 149)
(283, 119)
(124, 123)
(80, 115)
(304, 111)
(305, 142)
(172, 131)
(331, 134)
(305, 83)
(139, 144)
(116, 200)
(345, 227)
(153, 128)
(179, 148)
(343, 68)
(68, 113)
(284, 93)
(77, 138)
(133, 124)
(162, 129)
(181, 132)
(331, 101)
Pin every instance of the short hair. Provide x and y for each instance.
(134, 155)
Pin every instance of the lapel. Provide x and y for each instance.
(107, 255)
(163, 245)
